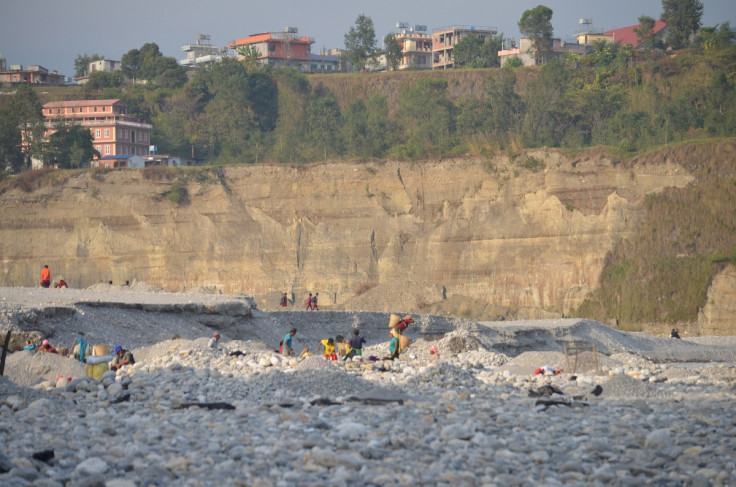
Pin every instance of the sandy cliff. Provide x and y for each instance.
(386, 236)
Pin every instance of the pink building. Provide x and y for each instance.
(114, 132)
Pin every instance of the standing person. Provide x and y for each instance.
(284, 301)
(329, 346)
(308, 302)
(122, 357)
(403, 324)
(314, 302)
(214, 342)
(356, 343)
(287, 343)
(45, 276)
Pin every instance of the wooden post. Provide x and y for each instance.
(5, 352)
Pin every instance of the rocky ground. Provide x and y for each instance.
(477, 415)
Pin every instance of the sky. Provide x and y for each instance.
(51, 33)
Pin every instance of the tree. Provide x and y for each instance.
(249, 53)
(69, 146)
(360, 42)
(489, 50)
(513, 62)
(99, 80)
(467, 53)
(427, 115)
(23, 127)
(683, 21)
(645, 30)
(393, 51)
(536, 24)
(81, 63)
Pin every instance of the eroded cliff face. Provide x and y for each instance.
(388, 236)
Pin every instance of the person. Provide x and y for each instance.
(674, 333)
(214, 343)
(61, 283)
(434, 353)
(394, 348)
(287, 343)
(329, 346)
(45, 276)
(46, 347)
(127, 283)
(547, 370)
(314, 301)
(79, 351)
(356, 343)
(122, 357)
(284, 301)
(403, 324)
(30, 346)
(308, 302)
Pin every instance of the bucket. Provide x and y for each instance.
(393, 320)
(95, 371)
(404, 342)
(100, 349)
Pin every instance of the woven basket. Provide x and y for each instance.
(393, 320)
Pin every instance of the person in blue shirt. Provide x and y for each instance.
(286, 343)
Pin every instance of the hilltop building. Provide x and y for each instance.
(280, 49)
(528, 54)
(416, 46)
(445, 38)
(627, 36)
(114, 132)
(201, 52)
(32, 74)
(104, 65)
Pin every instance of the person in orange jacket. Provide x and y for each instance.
(45, 277)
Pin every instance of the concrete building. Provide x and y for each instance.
(323, 63)
(32, 74)
(104, 65)
(445, 38)
(201, 52)
(122, 160)
(416, 46)
(279, 49)
(528, 54)
(114, 132)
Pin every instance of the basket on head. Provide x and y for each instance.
(393, 320)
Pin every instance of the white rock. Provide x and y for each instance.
(92, 466)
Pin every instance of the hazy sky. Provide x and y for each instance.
(51, 33)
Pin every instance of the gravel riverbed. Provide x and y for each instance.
(655, 411)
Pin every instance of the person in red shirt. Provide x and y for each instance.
(284, 301)
(46, 347)
(45, 277)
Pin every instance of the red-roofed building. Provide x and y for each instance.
(114, 132)
(279, 48)
(627, 36)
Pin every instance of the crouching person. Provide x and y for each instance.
(122, 357)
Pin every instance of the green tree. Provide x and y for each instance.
(23, 120)
(69, 146)
(81, 63)
(323, 124)
(536, 24)
(717, 37)
(683, 21)
(489, 50)
(645, 30)
(468, 53)
(367, 130)
(360, 42)
(100, 80)
(513, 62)
(427, 116)
(393, 52)
(544, 120)
(250, 54)
(507, 107)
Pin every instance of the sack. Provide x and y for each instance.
(393, 320)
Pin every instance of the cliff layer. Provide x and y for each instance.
(519, 237)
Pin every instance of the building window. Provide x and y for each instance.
(107, 133)
(98, 134)
(107, 150)
(103, 109)
(95, 108)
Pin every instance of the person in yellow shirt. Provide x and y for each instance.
(329, 346)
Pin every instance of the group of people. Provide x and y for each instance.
(340, 348)
(311, 302)
(46, 279)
